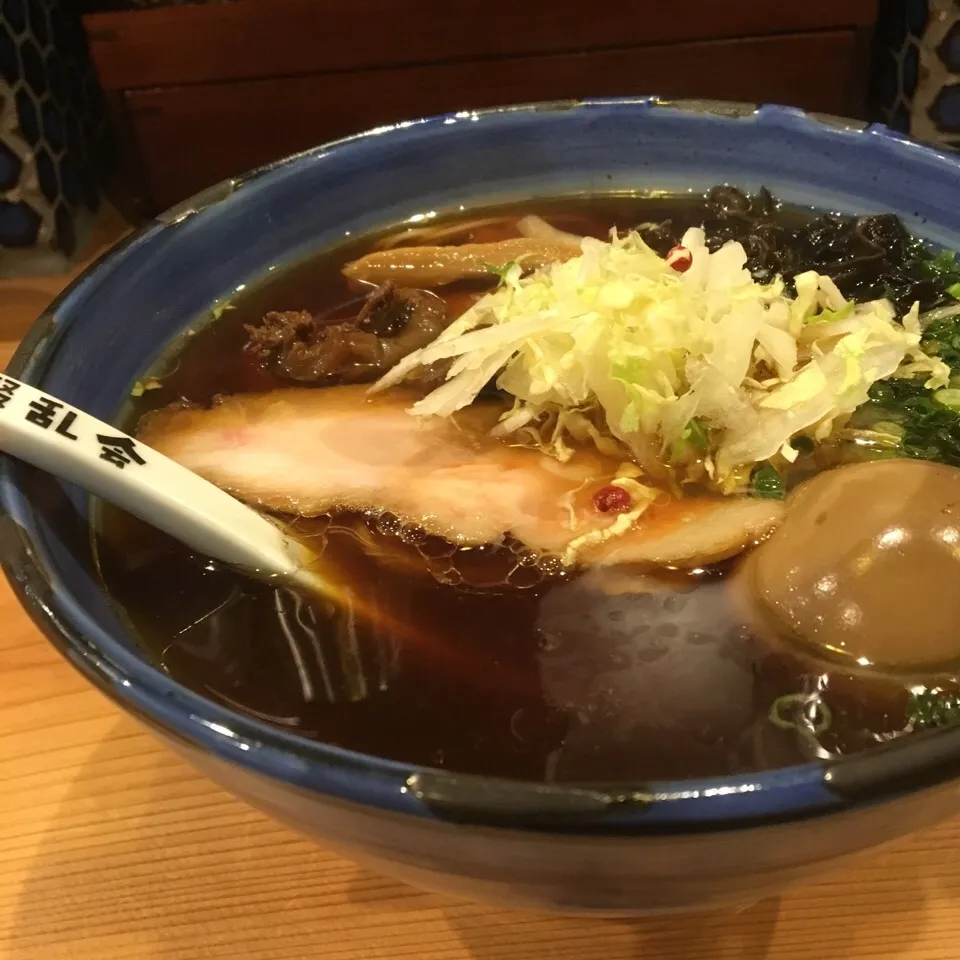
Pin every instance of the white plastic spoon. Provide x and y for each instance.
(65, 441)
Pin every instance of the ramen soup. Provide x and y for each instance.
(606, 489)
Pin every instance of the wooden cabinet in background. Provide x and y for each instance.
(204, 92)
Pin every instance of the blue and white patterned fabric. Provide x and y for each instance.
(54, 135)
(916, 68)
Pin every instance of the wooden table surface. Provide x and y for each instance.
(111, 848)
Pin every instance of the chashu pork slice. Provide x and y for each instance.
(317, 451)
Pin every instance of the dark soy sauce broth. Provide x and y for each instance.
(482, 661)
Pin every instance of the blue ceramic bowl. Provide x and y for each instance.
(657, 846)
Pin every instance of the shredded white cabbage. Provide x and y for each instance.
(706, 365)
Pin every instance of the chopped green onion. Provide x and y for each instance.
(949, 397)
(141, 386)
(697, 434)
(944, 263)
(928, 422)
(889, 428)
(500, 272)
(766, 483)
(804, 712)
(954, 290)
(933, 707)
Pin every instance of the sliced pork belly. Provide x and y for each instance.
(311, 452)
(690, 532)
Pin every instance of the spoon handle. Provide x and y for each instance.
(57, 437)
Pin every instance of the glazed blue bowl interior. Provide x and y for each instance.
(111, 325)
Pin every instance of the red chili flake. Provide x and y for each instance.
(612, 499)
(680, 258)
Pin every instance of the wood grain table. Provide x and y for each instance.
(111, 848)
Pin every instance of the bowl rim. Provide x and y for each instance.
(812, 789)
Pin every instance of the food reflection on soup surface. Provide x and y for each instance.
(608, 488)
